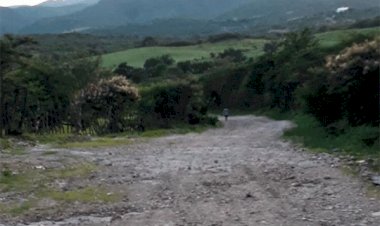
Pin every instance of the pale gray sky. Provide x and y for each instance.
(20, 2)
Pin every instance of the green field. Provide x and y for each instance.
(333, 38)
(252, 48)
(136, 57)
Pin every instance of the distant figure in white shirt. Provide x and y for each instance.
(226, 113)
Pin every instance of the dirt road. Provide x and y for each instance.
(242, 174)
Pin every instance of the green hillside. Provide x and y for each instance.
(136, 57)
(332, 38)
(252, 47)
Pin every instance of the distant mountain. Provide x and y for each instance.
(133, 16)
(12, 20)
(60, 3)
(112, 13)
(280, 10)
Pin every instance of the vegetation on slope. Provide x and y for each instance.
(251, 47)
(136, 57)
(178, 85)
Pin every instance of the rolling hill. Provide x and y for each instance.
(137, 56)
(12, 20)
(113, 13)
(252, 47)
(186, 17)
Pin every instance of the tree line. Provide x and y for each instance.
(338, 86)
(72, 93)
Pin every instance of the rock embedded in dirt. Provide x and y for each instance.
(376, 180)
(249, 195)
(296, 185)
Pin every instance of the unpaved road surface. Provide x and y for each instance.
(242, 174)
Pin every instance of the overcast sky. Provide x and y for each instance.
(20, 2)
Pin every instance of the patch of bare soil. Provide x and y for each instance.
(242, 174)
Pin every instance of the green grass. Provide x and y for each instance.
(178, 130)
(312, 135)
(5, 144)
(82, 195)
(35, 185)
(77, 171)
(69, 141)
(98, 142)
(34, 179)
(16, 208)
(334, 38)
(15, 182)
(137, 56)
(252, 47)
(77, 141)
(15, 151)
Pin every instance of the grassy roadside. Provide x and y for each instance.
(35, 185)
(313, 136)
(67, 141)
(40, 187)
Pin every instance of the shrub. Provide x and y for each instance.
(156, 66)
(226, 87)
(101, 105)
(283, 69)
(129, 72)
(355, 78)
(349, 88)
(235, 55)
(174, 101)
(194, 67)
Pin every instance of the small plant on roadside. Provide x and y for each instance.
(6, 172)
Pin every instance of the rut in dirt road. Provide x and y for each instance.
(242, 174)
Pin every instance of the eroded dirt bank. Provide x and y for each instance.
(242, 174)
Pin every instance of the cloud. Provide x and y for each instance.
(20, 2)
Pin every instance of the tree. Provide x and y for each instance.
(156, 66)
(285, 70)
(236, 55)
(129, 72)
(349, 88)
(149, 41)
(194, 67)
(101, 105)
(10, 59)
(173, 101)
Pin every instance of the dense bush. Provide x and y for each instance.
(235, 55)
(156, 66)
(283, 68)
(173, 101)
(149, 41)
(36, 92)
(135, 74)
(226, 87)
(349, 88)
(194, 67)
(101, 105)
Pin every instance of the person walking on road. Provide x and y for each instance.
(226, 114)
